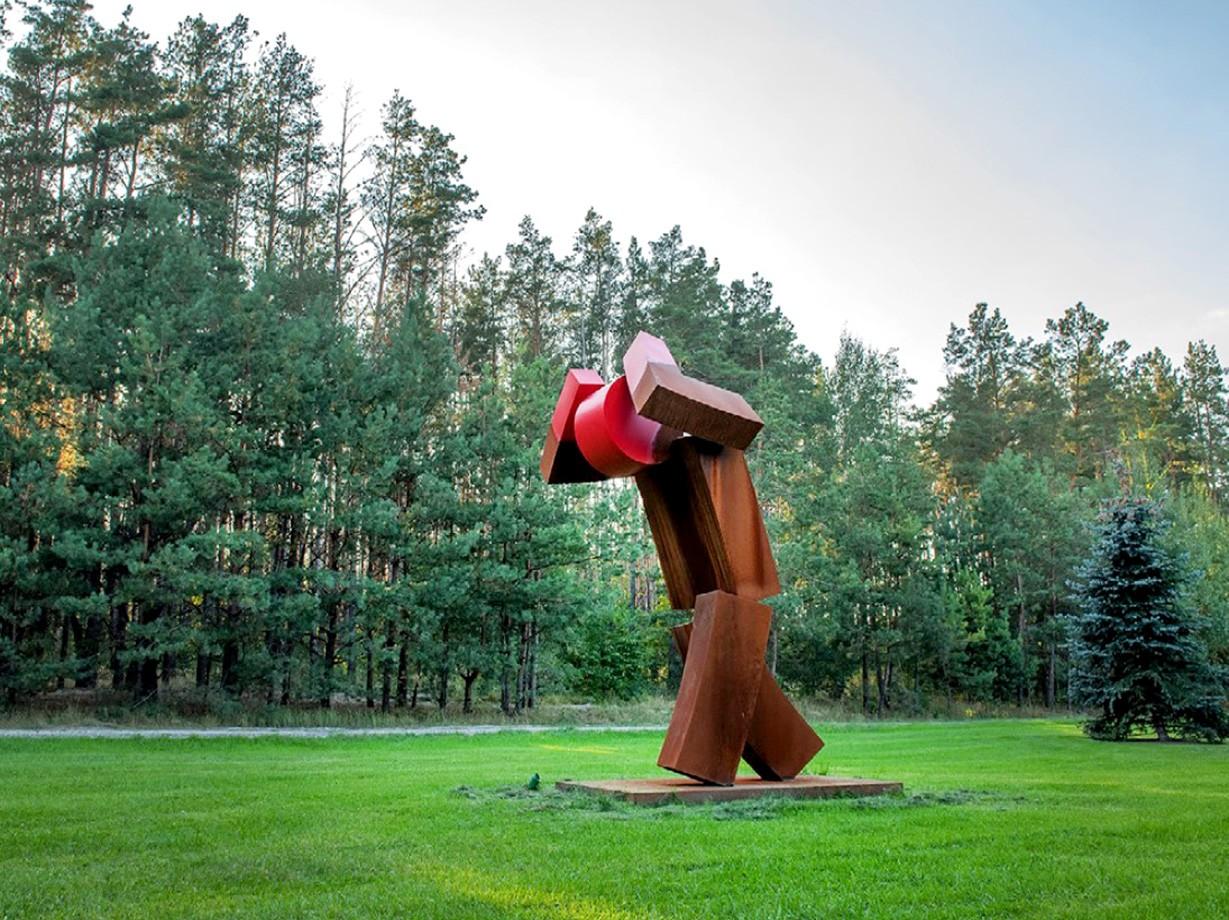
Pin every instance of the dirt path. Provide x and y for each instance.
(102, 731)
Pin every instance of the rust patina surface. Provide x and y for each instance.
(683, 440)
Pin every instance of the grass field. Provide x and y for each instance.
(999, 818)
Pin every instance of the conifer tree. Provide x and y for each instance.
(285, 153)
(1158, 432)
(1029, 524)
(595, 277)
(1136, 656)
(1089, 373)
(534, 284)
(134, 350)
(40, 92)
(201, 153)
(1203, 379)
(123, 99)
(972, 419)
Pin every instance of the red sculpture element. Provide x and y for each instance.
(576, 386)
(562, 461)
(613, 437)
(714, 552)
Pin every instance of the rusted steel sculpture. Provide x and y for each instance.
(683, 441)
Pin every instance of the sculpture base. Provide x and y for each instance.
(656, 791)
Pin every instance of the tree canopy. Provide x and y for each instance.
(268, 432)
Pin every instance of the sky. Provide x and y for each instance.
(886, 165)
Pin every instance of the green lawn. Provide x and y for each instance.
(999, 819)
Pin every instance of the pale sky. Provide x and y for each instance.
(885, 165)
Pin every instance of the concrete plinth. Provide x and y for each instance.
(655, 791)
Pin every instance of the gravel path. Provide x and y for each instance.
(93, 731)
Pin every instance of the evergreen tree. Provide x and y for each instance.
(1201, 532)
(1089, 373)
(286, 154)
(386, 196)
(37, 587)
(40, 91)
(481, 336)
(154, 472)
(1029, 524)
(534, 283)
(123, 99)
(595, 277)
(686, 298)
(1203, 380)
(1136, 656)
(972, 420)
(201, 152)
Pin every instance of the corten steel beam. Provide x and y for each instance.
(721, 682)
(662, 392)
(780, 742)
(707, 525)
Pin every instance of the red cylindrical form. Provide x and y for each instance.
(613, 438)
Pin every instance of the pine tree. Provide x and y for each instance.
(534, 282)
(40, 103)
(134, 351)
(481, 335)
(595, 277)
(1203, 380)
(41, 600)
(286, 155)
(1202, 532)
(972, 417)
(1089, 373)
(201, 153)
(386, 194)
(124, 98)
(1158, 432)
(441, 204)
(1136, 655)
(1029, 526)
(686, 299)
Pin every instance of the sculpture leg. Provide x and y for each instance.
(780, 742)
(722, 677)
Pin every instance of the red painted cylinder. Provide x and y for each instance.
(613, 438)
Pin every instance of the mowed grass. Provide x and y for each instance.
(999, 819)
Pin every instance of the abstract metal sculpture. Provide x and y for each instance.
(683, 441)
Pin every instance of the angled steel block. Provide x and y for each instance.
(706, 524)
(721, 682)
(662, 392)
(780, 742)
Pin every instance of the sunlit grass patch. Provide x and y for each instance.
(998, 818)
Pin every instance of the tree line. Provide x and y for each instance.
(267, 434)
